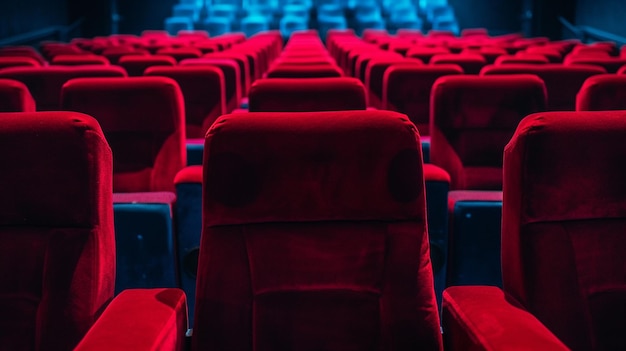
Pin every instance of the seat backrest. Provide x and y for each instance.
(562, 82)
(135, 65)
(563, 243)
(406, 89)
(472, 118)
(470, 62)
(143, 119)
(204, 91)
(15, 61)
(314, 235)
(15, 97)
(307, 94)
(602, 92)
(45, 83)
(234, 79)
(57, 246)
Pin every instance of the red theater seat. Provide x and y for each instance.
(472, 118)
(374, 74)
(563, 244)
(204, 92)
(611, 64)
(143, 120)
(57, 248)
(78, 60)
(180, 54)
(406, 88)
(310, 94)
(285, 70)
(135, 65)
(602, 92)
(45, 83)
(234, 78)
(15, 61)
(314, 244)
(471, 63)
(562, 82)
(15, 97)
(113, 54)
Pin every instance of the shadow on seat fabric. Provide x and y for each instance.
(314, 244)
(57, 249)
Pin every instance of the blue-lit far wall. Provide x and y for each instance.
(499, 16)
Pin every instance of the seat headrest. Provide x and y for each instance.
(56, 169)
(312, 166)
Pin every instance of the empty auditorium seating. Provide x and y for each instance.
(563, 246)
(308, 214)
(374, 74)
(602, 92)
(234, 78)
(45, 83)
(406, 88)
(203, 89)
(13, 61)
(15, 97)
(143, 121)
(57, 249)
(562, 82)
(610, 64)
(76, 60)
(135, 65)
(311, 94)
(471, 63)
(472, 119)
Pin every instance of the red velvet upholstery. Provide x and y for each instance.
(563, 243)
(285, 70)
(135, 65)
(45, 83)
(15, 97)
(374, 74)
(204, 91)
(181, 53)
(611, 64)
(114, 54)
(406, 89)
(483, 318)
(602, 92)
(57, 255)
(14, 61)
(562, 82)
(234, 77)
(140, 320)
(426, 53)
(471, 63)
(314, 245)
(143, 120)
(472, 118)
(79, 60)
(310, 94)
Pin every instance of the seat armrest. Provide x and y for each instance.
(140, 319)
(482, 318)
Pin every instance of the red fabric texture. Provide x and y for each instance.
(143, 120)
(56, 221)
(234, 78)
(482, 318)
(311, 245)
(45, 83)
(15, 61)
(190, 174)
(135, 65)
(472, 119)
(180, 54)
(470, 63)
(78, 60)
(305, 95)
(245, 68)
(138, 320)
(374, 73)
(563, 248)
(610, 64)
(602, 92)
(285, 70)
(472, 195)
(406, 89)
(562, 82)
(203, 89)
(15, 97)
(433, 173)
